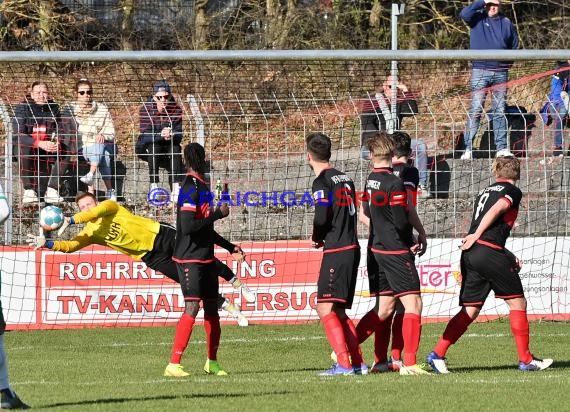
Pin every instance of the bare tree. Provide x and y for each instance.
(43, 24)
(278, 24)
(279, 20)
(127, 20)
(202, 25)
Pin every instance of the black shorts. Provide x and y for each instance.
(160, 257)
(483, 269)
(337, 279)
(198, 281)
(398, 275)
(373, 273)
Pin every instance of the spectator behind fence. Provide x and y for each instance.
(160, 136)
(40, 145)
(377, 116)
(556, 108)
(490, 30)
(95, 131)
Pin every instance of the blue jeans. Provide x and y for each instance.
(419, 154)
(558, 112)
(100, 154)
(481, 80)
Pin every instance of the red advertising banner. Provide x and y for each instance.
(100, 287)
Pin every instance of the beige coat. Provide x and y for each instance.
(93, 122)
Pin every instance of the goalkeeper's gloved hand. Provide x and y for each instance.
(37, 242)
(66, 222)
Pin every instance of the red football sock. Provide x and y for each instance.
(181, 337)
(213, 332)
(456, 327)
(382, 340)
(367, 326)
(352, 341)
(411, 330)
(397, 337)
(335, 336)
(520, 331)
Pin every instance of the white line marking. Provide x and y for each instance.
(281, 339)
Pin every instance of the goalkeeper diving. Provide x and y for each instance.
(109, 224)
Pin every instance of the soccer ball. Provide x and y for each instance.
(51, 218)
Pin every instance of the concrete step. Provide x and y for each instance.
(454, 183)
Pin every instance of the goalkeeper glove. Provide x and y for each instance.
(66, 222)
(37, 242)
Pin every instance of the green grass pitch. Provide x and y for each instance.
(274, 368)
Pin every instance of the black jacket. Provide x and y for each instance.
(372, 119)
(34, 122)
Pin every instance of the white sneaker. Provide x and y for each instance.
(362, 369)
(467, 155)
(437, 363)
(87, 179)
(175, 192)
(423, 191)
(52, 196)
(111, 195)
(504, 153)
(535, 365)
(30, 196)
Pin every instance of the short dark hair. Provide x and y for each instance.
(38, 83)
(195, 157)
(402, 144)
(319, 146)
(81, 195)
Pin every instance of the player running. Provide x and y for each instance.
(334, 229)
(109, 224)
(486, 265)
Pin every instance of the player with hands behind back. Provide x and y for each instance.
(334, 229)
(487, 265)
(391, 265)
